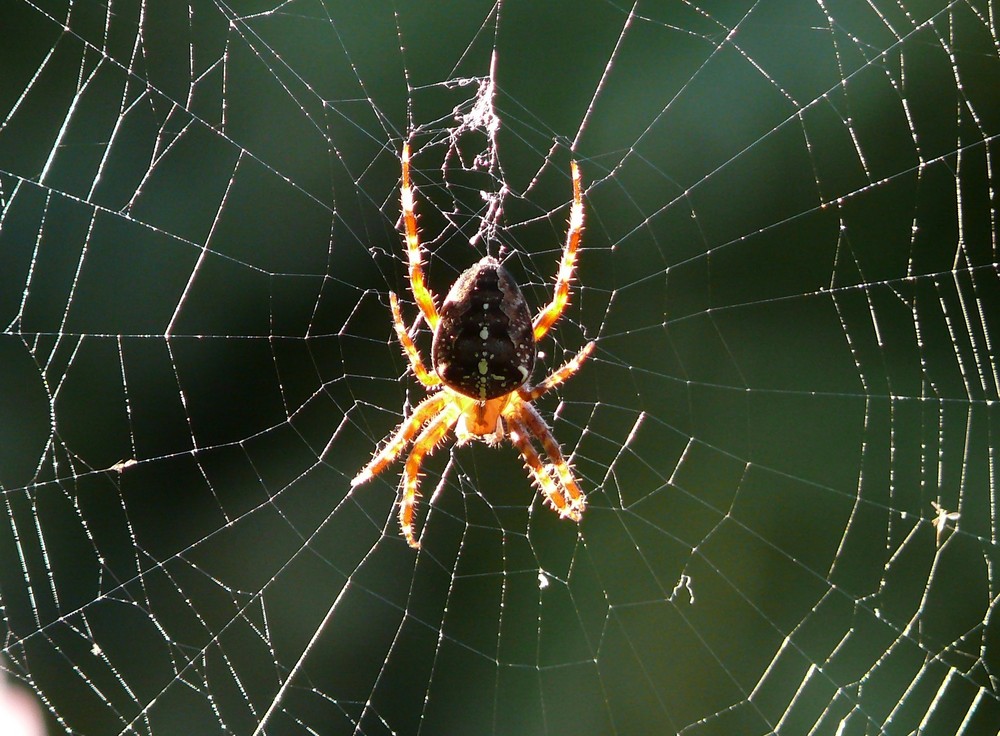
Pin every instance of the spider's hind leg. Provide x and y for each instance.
(425, 300)
(558, 376)
(548, 316)
(430, 380)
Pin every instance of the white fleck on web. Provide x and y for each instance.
(788, 431)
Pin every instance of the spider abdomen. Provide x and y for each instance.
(484, 344)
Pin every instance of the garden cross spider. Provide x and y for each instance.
(482, 355)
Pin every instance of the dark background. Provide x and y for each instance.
(790, 269)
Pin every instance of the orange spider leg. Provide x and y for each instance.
(536, 425)
(548, 316)
(433, 433)
(425, 300)
(558, 376)
(407, 430)
(430, 380)
(555, 497)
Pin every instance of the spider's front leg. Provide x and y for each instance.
(406, 432)
(528, 420)
(432, 435)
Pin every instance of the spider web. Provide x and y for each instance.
(788, 431)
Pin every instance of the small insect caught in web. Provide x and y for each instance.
(941, 520)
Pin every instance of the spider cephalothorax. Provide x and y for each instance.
(483, 352)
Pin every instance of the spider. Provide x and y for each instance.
(482, 354)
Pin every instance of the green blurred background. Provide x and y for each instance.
(790, 269)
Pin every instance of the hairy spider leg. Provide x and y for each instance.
(406, 432)
(425, 300)
(548, 316)
(432, 435)
(558, 376)
(532, 420)
(551, 492)
(430, 380)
